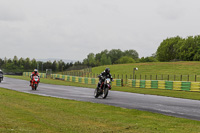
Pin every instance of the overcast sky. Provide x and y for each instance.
(71, 29)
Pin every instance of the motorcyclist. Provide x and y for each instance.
(34, 73)
(105, 74)
(1, 74)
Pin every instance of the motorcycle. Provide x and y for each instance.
(1, 77)
(35, 82)
(103, 89)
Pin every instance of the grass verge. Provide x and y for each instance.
(160, 92)
(21, 112)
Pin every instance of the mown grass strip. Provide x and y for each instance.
(160, 92)
(21, 112)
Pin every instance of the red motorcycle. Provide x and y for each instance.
(35, 82)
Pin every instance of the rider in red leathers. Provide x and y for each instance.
(34, 73)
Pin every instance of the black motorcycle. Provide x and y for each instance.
(1, 76)
(103, 89)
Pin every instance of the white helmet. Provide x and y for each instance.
(35, 70)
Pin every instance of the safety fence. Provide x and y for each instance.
(125, 77)
(169, 85)
(84, 80)
(42, 75)
(154, 84)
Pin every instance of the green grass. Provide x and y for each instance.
(21, 112)
(169, 93)
(171, 68)
(155, 68)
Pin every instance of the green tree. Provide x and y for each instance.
(105, 60)
(91, 60)
(1, 63)
(61, 65)
(188, 49)
(21, 62)
(125, 60)
(33, 64)
(55, 66)
(131, 53)
(197, 53)
(27, 64)
(48, 65)
(167, 50)
(15, 60)
(148, 59)
(115, 54)
(98, 59)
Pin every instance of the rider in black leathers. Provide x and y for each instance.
(1, 74)
(105, 74)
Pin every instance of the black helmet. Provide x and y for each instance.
(107, 70)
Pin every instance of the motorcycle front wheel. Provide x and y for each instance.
(96, 95)
(35, 86)
(105, 93)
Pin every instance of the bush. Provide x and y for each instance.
(125, 60)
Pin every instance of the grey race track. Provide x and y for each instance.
(177, 107)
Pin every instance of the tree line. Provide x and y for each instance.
(115, 56)
(21, 65)
(177, 48)
(105, 57)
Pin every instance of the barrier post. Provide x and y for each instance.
(195, 78)
(126, 79)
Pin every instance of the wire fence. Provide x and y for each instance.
(194, 78)
(168, 77)
(125, 77)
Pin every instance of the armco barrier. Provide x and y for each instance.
(169, 85)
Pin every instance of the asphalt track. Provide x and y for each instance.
(177, 107)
